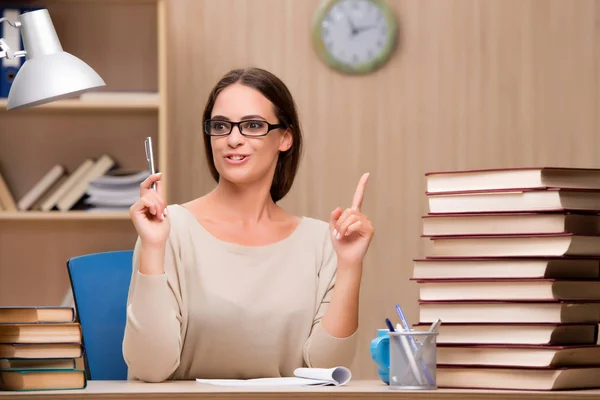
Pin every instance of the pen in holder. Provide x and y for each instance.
(413, 343)
(410, 369)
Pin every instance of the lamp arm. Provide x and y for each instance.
(5, 51)
(15, 24)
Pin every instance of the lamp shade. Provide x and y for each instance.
(49, 73)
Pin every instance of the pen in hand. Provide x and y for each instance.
(150, 158)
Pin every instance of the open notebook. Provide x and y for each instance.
(336, 376)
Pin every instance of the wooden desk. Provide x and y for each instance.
(354, 390)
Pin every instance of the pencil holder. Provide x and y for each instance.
(412, 360)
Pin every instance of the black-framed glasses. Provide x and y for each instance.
(250, 128)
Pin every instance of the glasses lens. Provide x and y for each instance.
(217, 127)
(254, 128)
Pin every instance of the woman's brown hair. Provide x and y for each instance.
(285, 110)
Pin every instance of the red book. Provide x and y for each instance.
(541, 245)
(518, 355)
(504, 267)
(507, 289)
(510, 311)
(514, 334)
(512, 178)
(515, 200)
(517, 378)
(509, 223)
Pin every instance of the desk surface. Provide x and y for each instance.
(354, 390)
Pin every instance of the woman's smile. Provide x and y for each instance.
(236, 159)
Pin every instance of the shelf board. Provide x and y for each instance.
(90, 105)
(63, 216)
(111, 1)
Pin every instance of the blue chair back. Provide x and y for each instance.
(100, 285)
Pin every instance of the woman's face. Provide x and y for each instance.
(241, 159)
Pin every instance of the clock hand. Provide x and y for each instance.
(353, 30)
(363, 28)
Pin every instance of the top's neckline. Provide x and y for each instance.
(241, 247)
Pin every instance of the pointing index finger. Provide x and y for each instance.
(360, 192)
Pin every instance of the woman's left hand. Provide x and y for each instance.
(350, 229)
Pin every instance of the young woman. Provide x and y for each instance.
(231, 285)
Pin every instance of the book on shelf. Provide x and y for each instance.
(7, 200)
(510, 223)
(512, 178)
(507, 289)
(554, 334)
(113, 202)
(120, 178)
(52, 201)
(41, 187)
(77, 191)
(539, 245)
(68, 189)
(117, 190)
(96, 184)
(50, 193)
(515, 378)
(525, 200)
(506, 268)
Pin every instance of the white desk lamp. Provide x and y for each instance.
(49, 73)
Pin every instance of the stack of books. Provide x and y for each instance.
(513, 272)
(116, 190)
(40, 349)
(65, 190)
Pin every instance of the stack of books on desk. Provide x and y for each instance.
(514, 275)
(39, 349)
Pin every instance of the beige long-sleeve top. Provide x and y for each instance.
(223, 310)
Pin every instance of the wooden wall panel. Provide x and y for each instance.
(474, 84)
(34, 254)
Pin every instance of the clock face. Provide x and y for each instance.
(355, 35)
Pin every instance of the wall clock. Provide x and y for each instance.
(354, 36)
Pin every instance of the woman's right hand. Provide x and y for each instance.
(149, 213)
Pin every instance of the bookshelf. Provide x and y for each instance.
(78, 105)
(124, 41)
(63, 216)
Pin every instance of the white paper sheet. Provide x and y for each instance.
(303, 377)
